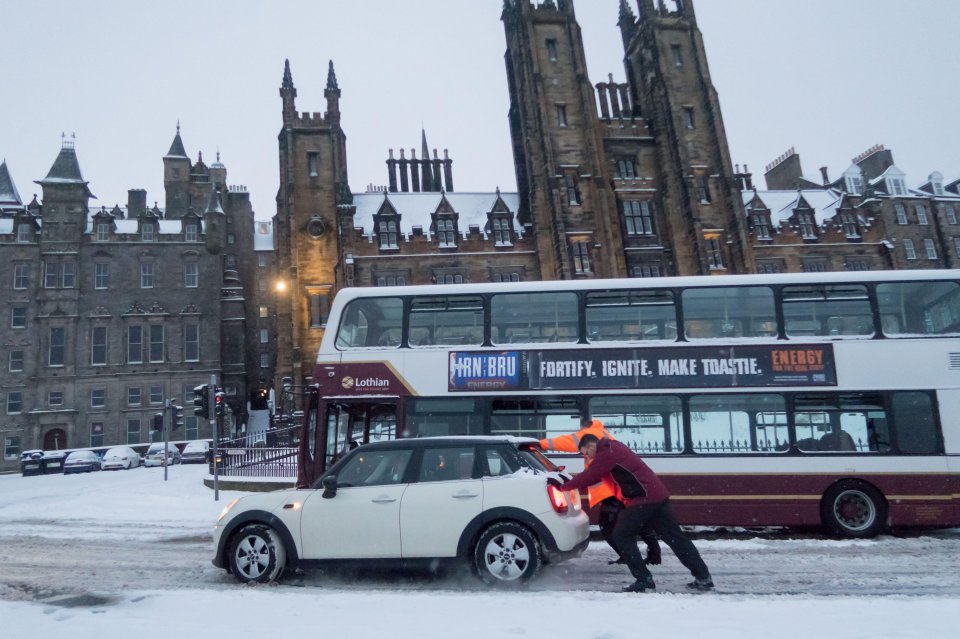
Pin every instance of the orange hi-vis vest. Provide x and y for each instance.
(571, 444)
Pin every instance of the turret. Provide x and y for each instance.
(176, 178)
(288, 94)
(627, 23)
(213, 220)
(9, 197)
(332, 93)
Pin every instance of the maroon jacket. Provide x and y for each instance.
(637, 482)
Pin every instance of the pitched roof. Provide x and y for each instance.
(416, 209)
(8, 190)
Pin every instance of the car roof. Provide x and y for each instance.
(460, 440)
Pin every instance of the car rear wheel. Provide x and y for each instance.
(507, 554)
(257, 554)
(853, 509)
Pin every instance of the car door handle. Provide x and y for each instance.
(463, 494)
(383, 499)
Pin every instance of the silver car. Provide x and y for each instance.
(155, 457)
(120, 458)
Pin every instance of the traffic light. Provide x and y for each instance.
(177, 421)
(219, 402)
(158, 422)
(201, 401)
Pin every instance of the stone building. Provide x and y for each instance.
(110, 312)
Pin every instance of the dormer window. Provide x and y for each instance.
(24, 233)
(849, 224)
(761, 227)
(103, 231)
(446, 232)
(190, 232)
(148, 233)
(895, 186)
(938, 188)
(387, 232)
(808, 225)
(501, 231)
(854, 184)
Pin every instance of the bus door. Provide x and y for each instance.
(352, 423)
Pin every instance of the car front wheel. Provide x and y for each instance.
(257, 554)
(507, 554)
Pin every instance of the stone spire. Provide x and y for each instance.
(288, 94)
(176, 149)
(9, 197)
(332, 93)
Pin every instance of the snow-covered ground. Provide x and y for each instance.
(128, 553)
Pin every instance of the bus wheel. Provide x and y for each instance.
(853, 509)
(507, 554)
(257, 554)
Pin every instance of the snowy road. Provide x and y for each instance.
(146, 534)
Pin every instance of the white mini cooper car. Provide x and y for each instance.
(493, 501)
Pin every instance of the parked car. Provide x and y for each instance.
(120, 458)
(81, 461)
(196, 452)
(492, 501)
(154, 456)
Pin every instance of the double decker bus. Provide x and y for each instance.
(825, 399)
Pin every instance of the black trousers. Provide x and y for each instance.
(610, 509)
(660, 518)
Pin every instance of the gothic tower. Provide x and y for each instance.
(670, 86)
(313, 190)
(562, 175)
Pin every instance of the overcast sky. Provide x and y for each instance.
(830, 77)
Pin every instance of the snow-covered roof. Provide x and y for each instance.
(416, 209)
(824, 202)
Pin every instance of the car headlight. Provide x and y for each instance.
(226, 509)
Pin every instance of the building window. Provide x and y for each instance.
(388, 234)
(552, 50)
(901, 213)
(191, 275)
(98, 346)
(391, 280)
(505, 277)
(808, 226)
(626, 168)
(910, 251)
(261, 260)
(561, 115)
(231, 238)
(319, 309)
(501, 231)
(11, 448)
(703, 190)
(637, 218)
(101, 275)
(190, 232)
(14, 402)
(146, 274)
(854, 185)
(18, 317)
(264, 311)
(814, 266)
(313, 163)
(133, 396)
(58, 346)
(573, 193)
(446, 233)
(156, 395)
(760, 227)
(103, 231)
(51, 273)
(68, 274)
(950, 213)
(849, 224)
(24, 233)
(895, 186)
(135, 345)
(133, 431)
(16, 361)
(191, 342)
(264, 336)
(230, 261)
(98, 398)
(148, 232)
(96, 434)
(21, 276)
(921, 214)
(770, 267)
(688, 118)
(714, 252)
(264, 360)
(156, 342)
(677, 54)
(854, 264)
(645, 270)
(448, 278)
(930, 248)
(55, 398)
(581, 258)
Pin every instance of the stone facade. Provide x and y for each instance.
(109, 313)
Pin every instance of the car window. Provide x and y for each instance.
(447, 464)
(500, 462)
(374, 468)
(535, 459)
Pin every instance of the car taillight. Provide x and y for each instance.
(558, 499)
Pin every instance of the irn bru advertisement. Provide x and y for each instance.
(743, 365)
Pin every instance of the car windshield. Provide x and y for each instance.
(81, 455)
(155, 449)
(115, 452)
(194, 447)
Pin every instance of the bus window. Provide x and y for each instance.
(915, 424)
(848, 423)
(734, 424)
(439, 417)
(537, 418)
(534, 318)
(446, 320)
(827, 310)
(631, 316)
(919, 308)
(725, 312)
(648, 424)
(369, 322)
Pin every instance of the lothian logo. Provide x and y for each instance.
(347, 382)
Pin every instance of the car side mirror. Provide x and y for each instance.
(329, 484)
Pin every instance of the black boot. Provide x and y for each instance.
(701, 584)
(641, 585)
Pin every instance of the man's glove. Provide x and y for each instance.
(653, 555)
